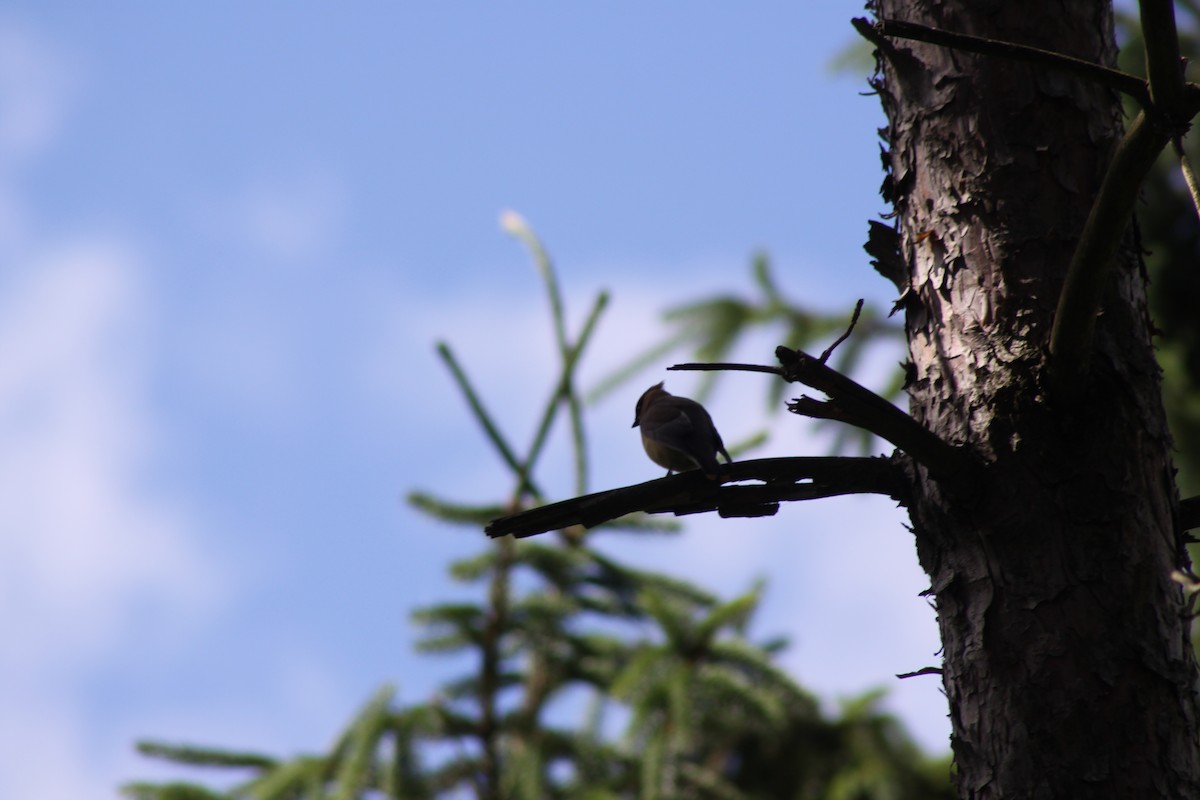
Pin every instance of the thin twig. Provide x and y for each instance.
(872, 33)
(921, 671)
(1189, 177)
(1112, 78)
(515, 224)
(205, 756)
(564, 391)
(569, 353)
(574, 402)
(717, 366)
(856, 405)
(849, 328)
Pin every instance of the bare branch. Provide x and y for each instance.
(1162, 58)
(1189, 177)
(1095, 254)
(691, 492)
(871, 32)
(849, 329)
(1189, 513)
(1112, 78)
(921, 671)
(725, 366)
(855, 404)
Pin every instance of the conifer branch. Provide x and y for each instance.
(204, 756)
(485, 420)
(488, 783)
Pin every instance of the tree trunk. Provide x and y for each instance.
(1067, 659)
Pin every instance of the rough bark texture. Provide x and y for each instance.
(1068, 665)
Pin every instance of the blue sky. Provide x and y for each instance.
(230, 235)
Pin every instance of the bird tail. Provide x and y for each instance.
(709, 465)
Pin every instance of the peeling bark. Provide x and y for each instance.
(1067, 658)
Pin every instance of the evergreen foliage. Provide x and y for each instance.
(594, 680)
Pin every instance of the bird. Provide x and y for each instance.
(678, 433)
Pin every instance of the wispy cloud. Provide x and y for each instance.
(83, 535)
(36, 84)
(90, 549)
(286, 216)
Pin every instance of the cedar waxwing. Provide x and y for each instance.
(677, 432)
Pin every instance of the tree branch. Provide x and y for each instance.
(1189, 513)
(490, 428)
(1095, 255)
(1112, 78)
(691, 492)
(1189, 177)
(920, 672)
(856, 405)
(1163, 64)
(849, 329)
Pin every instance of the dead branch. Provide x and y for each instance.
(1163, 64)
(1189, 513)
(856, 405)
(1131, 85)
(920, 672)
(849, 329)
(1095, 254)
(783, 479)
(1189, 176)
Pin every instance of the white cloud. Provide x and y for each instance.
(88, 553)
(44, 752)
(81, 537)
(248, 357)
(36, 83)
(293, 217)
(92, 559)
